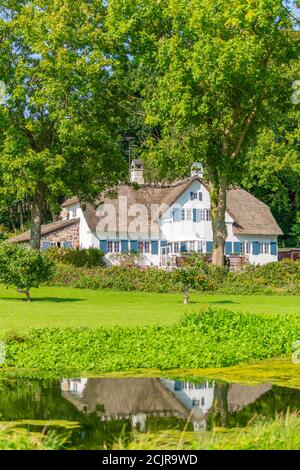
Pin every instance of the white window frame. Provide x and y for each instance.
(266, 248)
(189, 215)
(182, 215)
(192, 246)
(144, 246)
(74, 213)
(176, 247)
(113, 246)
(194, 196)
(201, 246)
(207, 215)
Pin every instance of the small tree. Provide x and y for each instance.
(191, 274)
(23, 268)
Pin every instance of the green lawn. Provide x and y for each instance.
(67, 307)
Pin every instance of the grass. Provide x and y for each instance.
(283, 433)
(68, 307)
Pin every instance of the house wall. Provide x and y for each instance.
(69, 234)
(177, 231)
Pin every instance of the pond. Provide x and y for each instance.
(109, 408)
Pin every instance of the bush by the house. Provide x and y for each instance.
(23, 268)
(272, 278)
(213, 338)
(89, 257)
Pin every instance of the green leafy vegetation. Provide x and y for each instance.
(215, 338)
(282, 433)
(23, 268)
(89, 257)
(272, 278)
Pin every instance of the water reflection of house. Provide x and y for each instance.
(195, 396)
(135, 399)
(130, 398)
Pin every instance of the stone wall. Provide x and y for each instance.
(70, 234)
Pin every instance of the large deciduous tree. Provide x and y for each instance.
(211, 73)
(58, 125)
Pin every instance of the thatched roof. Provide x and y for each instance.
(53, 227)
(250, 215)
(127, 396)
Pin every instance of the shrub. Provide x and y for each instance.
(90, 257)
(272, 278)
(23, 268)
(211, 339)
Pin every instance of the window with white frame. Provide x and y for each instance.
(144, 247)
(245, 248)
(189, 214)
(261, 248)
(192, 246)
(113, 247)
(202, 214)
(74, 212)
(176, 247)
(201, 246)
(182, 214)
(194, 196)
(267, 248)
(207, 215)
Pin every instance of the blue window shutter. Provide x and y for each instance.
(134, 245)
(209, 247)
(46, 245)
(255, 248)
(103, 246)
(163, 243)
(68, 244)
(200, 196)
(228, 248)
(237, 248)
(273, 248)
(196, 215)
(154, 247)
(183, 247)
(176, 215)
(191, 195)
(124, 246)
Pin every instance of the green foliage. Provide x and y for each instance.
(89, 257)
(23, 268)
(214, 338)
(272, 278)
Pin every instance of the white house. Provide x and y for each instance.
(163, 221)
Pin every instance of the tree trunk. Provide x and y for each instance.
(36, 217)
(218, 196)
(186, 295)
(25, 292)
(220, 405)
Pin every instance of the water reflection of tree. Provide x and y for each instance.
(218, 415)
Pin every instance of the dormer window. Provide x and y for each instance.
(196, 196)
